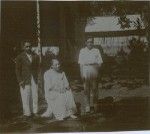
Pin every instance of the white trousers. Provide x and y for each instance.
(89, 71)
(29, 96)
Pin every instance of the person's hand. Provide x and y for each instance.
(90, 64)
(22, 84)
(67, 88)
(63, 91)
(50, 89)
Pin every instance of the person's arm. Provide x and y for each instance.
(80, 60)
(18, 70)
(99, 58)
(36, 62)
(66, 83)
(46, 85)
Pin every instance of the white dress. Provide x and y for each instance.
(58, 95)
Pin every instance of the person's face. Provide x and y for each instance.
(89, 44)
(56, 65)
(55, 51)
(27, 47)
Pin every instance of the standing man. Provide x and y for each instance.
(90, 60)
(27, 76)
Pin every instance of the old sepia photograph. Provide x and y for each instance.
(74, 66)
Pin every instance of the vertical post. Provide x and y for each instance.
(38, 30)
(39, 50)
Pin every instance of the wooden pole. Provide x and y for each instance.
(38, 31)
(39, 50)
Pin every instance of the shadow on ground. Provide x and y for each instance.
(128, 114)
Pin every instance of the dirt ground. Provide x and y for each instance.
(119, 108)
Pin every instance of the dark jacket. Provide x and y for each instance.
(25, 69)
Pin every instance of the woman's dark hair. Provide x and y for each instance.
(51, 62)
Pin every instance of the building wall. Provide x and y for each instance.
(111, 45)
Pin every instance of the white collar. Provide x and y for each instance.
(89, 49)
(29, 54)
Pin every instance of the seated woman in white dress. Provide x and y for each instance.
(58, 93)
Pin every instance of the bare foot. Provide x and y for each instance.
(73, 116)
(60, 119)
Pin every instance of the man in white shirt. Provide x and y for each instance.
(90, 60)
